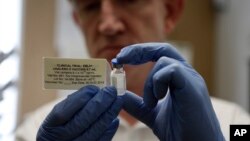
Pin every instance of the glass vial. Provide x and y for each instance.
(118, 77)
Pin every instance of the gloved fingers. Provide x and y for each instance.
(151, 93)
(185, 86)
(142, 53)
(110, 132)
(103, 123)
(67, 108)
(135, 106)
(171, 76)
(89, 114)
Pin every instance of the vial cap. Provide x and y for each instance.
(115, 63)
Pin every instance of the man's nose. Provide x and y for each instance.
(110, 23)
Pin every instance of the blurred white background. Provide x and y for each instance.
(10, 42)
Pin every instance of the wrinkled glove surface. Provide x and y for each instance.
(176, 103)
(90, 114)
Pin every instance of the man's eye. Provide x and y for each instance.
(130, 2)
(92, 6)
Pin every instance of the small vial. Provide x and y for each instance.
(118, 77)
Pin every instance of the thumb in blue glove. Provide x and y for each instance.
(88, 114)
(175, 104)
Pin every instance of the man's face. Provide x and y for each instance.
(109, 25)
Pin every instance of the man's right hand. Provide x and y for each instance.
(88, 114)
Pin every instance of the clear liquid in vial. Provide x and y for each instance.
(118, 77)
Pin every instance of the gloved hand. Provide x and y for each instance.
(175, 104)
(89, 114)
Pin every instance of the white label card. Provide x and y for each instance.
(72, 74)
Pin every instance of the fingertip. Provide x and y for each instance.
(117, 105)
(128, 55)
(120, 55)
(89, 89)
(115, 123)
(130, 96)
(120, 58)
(110, 90)
(120, 99)
(131, 102)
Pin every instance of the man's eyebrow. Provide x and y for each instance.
(75, 1)
(83, 1)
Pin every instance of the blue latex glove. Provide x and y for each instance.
(185, 112)
(89, 114)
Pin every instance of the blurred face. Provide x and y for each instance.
(109, 25)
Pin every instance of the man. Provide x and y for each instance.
(175, 104)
